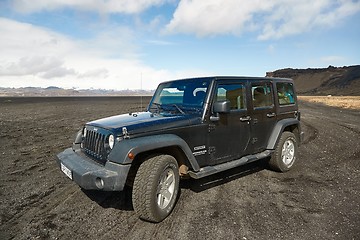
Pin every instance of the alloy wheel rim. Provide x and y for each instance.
(166, 188)
(288, 152)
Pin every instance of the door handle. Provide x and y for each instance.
(245, 119)
(270, 115)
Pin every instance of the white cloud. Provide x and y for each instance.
(114, 41)
(101, 6)
(48, 67)
(214, 17)
(159, 42)
(96, 73)
(271, 19)
(295, 17)
(58, 72)
(17, 37)
(34, 56)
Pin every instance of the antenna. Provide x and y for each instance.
(141, 97)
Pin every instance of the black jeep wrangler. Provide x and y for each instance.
(192, 128)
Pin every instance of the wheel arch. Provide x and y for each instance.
(143, 147)
(290, 125)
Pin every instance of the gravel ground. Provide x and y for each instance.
(317, 199)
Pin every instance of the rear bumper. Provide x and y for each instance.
(90, 175)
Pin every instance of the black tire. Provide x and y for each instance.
(285, 154)
(156, 187)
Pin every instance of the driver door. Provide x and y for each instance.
(229, 136)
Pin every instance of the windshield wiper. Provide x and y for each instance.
(157, 105)
(166, 107)
(179, 109)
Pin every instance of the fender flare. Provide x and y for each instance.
(142, 144)
(278, 129)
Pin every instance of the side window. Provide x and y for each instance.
(235, 93)
(285, 92)
(262, 95)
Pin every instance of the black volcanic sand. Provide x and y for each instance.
(317, 199)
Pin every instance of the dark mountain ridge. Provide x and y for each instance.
(323, 81)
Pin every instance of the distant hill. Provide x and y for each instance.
(323, 81)
(56, 91)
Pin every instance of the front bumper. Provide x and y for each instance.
(90, 175)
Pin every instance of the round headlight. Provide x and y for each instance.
(111, 141)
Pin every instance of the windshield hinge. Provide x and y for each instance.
(125, 133)
(212, 127)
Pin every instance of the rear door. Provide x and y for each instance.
(229, 137)
(263, 115)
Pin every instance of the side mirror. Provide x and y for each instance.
(222, 107)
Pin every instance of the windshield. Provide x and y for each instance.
(180, 97)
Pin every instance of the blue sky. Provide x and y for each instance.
(133, 44)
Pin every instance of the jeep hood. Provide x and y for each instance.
(144, 122)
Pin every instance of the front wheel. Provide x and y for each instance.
(156, 188)
(285, 152)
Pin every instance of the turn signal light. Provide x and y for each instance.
(131, 155)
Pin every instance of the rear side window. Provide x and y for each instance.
(262, 95)
(285, 92)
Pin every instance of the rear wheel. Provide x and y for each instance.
(156, 188)
(285, 152)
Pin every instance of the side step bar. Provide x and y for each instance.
(209, 170)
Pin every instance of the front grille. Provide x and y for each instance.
(94, 146)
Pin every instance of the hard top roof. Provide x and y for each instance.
(235, 78)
